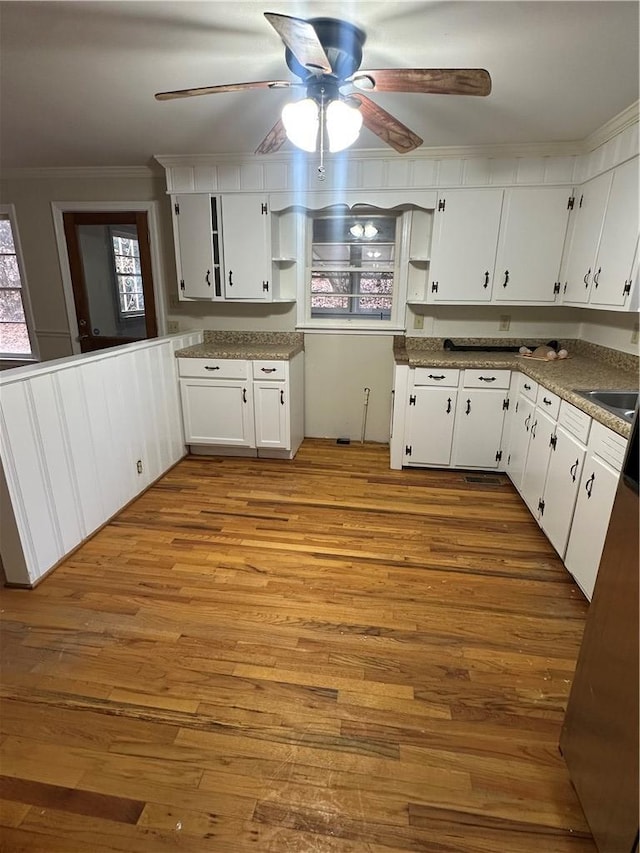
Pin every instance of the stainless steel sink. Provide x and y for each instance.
(620, 403)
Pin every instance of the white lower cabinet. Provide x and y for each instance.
(519, 440)
(538, 455)
(217, 411)
(429, 426)
(244, 405)
(452, 418)
(561, 488)
(478, 428)
(597, 490)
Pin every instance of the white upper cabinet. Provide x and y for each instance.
(246, 238)
(194, 233)
(465, 237)
(602, 240)
(613, 270)
(532, 232)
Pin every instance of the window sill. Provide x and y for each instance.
(349, 329)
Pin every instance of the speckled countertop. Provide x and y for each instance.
(589, 367)
(280, 346)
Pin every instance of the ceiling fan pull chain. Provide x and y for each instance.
(321, 169)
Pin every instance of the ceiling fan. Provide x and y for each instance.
(325, 54)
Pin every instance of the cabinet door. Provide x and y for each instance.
(561, 488)
(271, 414)
(217, 412)
(193, 233)
(585, 227)
(246, 237)
(532, 232)
(520, 433)
(429, 426)
(590, 522)
(478, 431)
(619, 237)
(535, 469)
(465, 238)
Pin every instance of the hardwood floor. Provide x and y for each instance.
(315, 655)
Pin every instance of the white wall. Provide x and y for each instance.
(610, 329)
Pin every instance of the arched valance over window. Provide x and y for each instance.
(385, 200)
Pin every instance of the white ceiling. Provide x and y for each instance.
(78, 78)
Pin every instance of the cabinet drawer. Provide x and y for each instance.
(487, 378)
(574, 421)
(214, 368)
(435, 376)
(548, 402)
(528, 388)
(270, 370)
(608, 445)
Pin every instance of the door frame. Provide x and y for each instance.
(58, 208)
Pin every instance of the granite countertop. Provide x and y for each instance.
(589, 367)
(277, 346)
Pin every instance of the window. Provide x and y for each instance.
(353, 276)
(16, 337)
(126, 263)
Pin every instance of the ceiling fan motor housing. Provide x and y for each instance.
(342, 43)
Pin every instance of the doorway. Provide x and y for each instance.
(111, 277)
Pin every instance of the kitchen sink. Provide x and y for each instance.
(620, 403)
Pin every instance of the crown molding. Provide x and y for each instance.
(53, 172)
(454, 152)
(613, 127)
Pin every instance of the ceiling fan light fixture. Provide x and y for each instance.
(301, 123)
(343, 125)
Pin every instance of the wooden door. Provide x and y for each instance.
(110, 264)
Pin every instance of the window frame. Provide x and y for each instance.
(9, 211)
(364, 323)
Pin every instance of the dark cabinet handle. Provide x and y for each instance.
(589, 485)
(468, 409)
(486, 279)
(506, 278)
(553, 441)
(449, 405)
(527, 387)
(546, 402)
(533, 429)
(207, 278)
(487, 378)
(206, 367)
(281, 397)
(244, 395)
(586, 283)
(230, 279)
(526, 422)
(574, 470)
(268, 369)
(595, 277)
(431, 376)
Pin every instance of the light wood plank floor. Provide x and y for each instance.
(316, 655)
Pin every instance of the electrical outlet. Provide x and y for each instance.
(418, 321)
(634, 335)
(173, 326)
(505, 322)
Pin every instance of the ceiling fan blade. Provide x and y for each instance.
(274, 140)
(384, 125)
(430, 81)
(302, 40)
(229, 87)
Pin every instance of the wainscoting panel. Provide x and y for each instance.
(73, 436)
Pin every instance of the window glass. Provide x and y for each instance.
(353, 266)
(15, 339)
